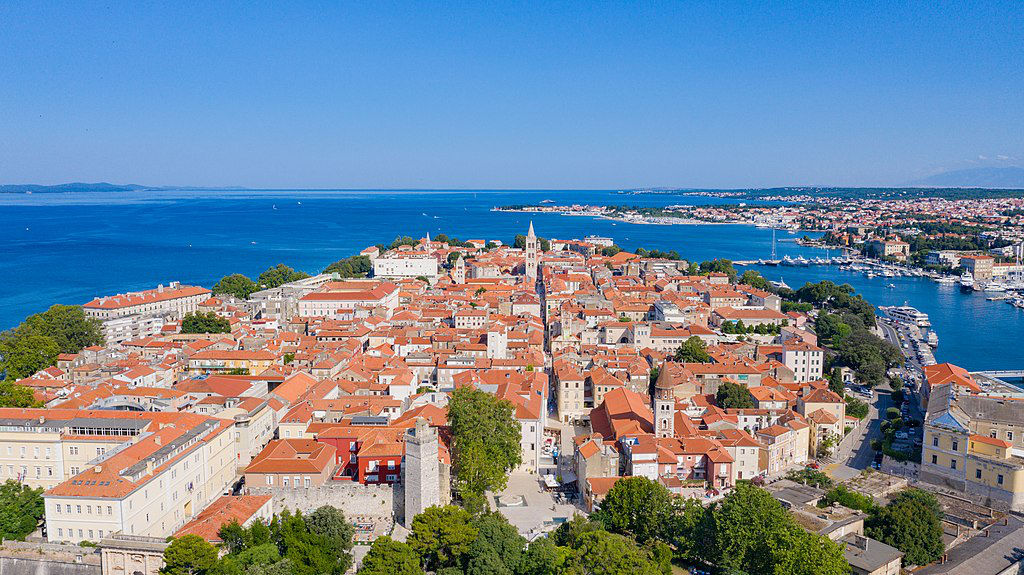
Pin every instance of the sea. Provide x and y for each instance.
(70, 247)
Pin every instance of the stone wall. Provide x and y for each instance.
(354, 499)
(26, 558)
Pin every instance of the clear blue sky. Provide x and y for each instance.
(563, 95)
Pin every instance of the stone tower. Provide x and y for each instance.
(664, 408)
(532, 253)
(497, 343)
(459, 271)
(422, 479)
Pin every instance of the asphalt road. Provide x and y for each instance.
(856, 453)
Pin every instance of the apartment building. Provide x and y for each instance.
(973, 443)
(163, 469)
(135, 315)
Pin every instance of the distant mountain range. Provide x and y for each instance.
(72, 187)
(1004, 177)
(96, 187)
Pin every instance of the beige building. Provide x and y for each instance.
(971, 444)
(129, 472)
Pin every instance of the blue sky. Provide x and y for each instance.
(488, 95)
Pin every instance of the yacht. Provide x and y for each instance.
(802, 261)
(788, 261)
(932, 339)
(907, 314)
(967, 282)
(778, 284)
(994, 286)
(945, 280)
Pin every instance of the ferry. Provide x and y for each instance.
(906, 314)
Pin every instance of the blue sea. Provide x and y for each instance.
(69, 248)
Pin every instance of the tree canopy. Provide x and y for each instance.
(755, 280)
(733, 395)
(237, 285)
(204, 322)
(485, 440)
(21, 508)
(36, 342)
(638, 507)
(693, 350)
(189, 555)
(911, 522)
(390, 557)
(351, 267)
(292, 544)
(441, 536)
(278, 276)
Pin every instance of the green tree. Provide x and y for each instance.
(14, 395)
(310, 551)
(189, 555)
(237, 285)
(278, 276)
(755, 280)
(21, 508)
(796, 552)
(21, 354)
(208, 322)
(441, 536)
(68, 327)
(638, 507)
(36, 342)
(603, 553)
(390, 557)
(693, 350)
(485, 440)
(329, 522)
(843, 496)
(543, 557)
(741, 523)
(497, 543)
(911, 522)
(856, 407)
(811, 477)
(351, 267)
(722, 266)
(733, 395)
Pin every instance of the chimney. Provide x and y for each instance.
(158, 440)
(860, 541)
(42, 419)
(97, 469)
(160, 288)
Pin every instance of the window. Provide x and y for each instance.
(992, 434)
(1009, 436)
(109, 510)
(956, 445)
(999, 479)
(935, 441)
(305, 481)
(270, 480)
(977, 474)
(952, 464)
(284, 481)
(60, 532)
(68, 508)
(78, 509)
(935, 459)
(391, 464)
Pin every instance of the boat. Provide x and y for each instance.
(932, 339)
(778, 284)
(891, 286)
(788, 261)
(802, 261)
(994, 286)
(966, 282)
(547, 201)
(945, 280)
(907, 314)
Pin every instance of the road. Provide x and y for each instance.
(855, 453)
